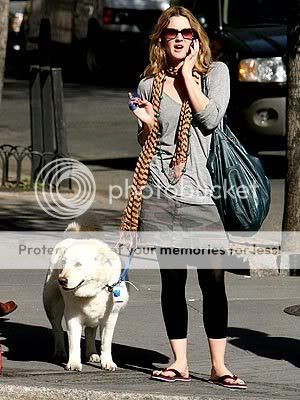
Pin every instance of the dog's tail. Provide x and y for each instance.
(85, 223)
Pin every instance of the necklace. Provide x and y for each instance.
(173, 174)
(173, 72)
(172, 178)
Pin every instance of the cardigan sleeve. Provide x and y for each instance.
(218, 85)
(144, 90)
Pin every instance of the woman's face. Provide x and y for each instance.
(177, 44)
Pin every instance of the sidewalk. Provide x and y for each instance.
(263, 342)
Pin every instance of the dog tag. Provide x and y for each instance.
(120, 292)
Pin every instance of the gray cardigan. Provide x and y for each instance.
(195, 186)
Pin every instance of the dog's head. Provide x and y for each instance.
(87, 266)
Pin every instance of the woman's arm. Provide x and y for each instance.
(143, 111)
(218, 83)
(143, 133)
(208, 110)
(197, 99)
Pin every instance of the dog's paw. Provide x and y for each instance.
(73, 366)
(107, 363)
(94, 358)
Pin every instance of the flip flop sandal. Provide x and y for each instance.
(221, 381)
(164, 378)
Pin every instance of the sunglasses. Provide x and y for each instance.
(171, 33)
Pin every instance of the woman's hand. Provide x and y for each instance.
(142, 109)
(190, 59)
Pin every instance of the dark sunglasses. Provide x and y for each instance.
(171, 33)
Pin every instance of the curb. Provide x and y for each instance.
(18, 392)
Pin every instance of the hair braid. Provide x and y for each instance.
(130, 216)
(183, 132)
(129, 220)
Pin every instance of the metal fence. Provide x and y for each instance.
(21, 165)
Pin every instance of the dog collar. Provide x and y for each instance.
(110, 288)
(123, 276)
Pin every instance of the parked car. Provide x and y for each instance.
(250, 37)
(96, 29)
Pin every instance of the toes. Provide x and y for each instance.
(108, 364)
(73, 367)
(157, 372)
(94, 358)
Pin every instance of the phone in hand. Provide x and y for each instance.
(192, 45)
(131, 103)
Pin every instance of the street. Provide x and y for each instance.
(98, 123)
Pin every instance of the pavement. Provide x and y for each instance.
(263, 341)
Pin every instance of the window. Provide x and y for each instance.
(237, 12)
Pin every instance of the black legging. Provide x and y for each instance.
(173, 301)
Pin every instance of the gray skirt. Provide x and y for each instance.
(166, 222)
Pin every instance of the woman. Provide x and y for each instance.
(175, 119)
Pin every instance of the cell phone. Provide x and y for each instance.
(191, 45)
(132, 106)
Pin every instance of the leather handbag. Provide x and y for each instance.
(241, 188)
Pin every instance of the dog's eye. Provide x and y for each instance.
(78, 264)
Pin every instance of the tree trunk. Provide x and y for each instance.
(291, 217)
(3, 39)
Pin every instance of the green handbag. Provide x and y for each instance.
(241, 188)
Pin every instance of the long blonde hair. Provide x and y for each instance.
(157, 53)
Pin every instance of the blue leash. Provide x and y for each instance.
(124, 272)
(127, 265)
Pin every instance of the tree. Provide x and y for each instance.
(291, 217)
(3, 39)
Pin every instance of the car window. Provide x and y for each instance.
(237, 12)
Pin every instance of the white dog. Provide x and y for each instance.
(78, 286)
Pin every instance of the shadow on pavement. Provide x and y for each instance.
(19, 216)
(263, 345)
(24, 217)
(114, 163)
(26, 342)
(35, 343)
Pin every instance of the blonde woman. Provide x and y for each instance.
(175, 119)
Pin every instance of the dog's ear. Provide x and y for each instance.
(104, 252)
(60, 249)
(108, 254)
(57, 255)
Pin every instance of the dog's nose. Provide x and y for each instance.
(63, 281)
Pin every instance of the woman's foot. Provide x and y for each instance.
(176, 371)
(224, 377)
